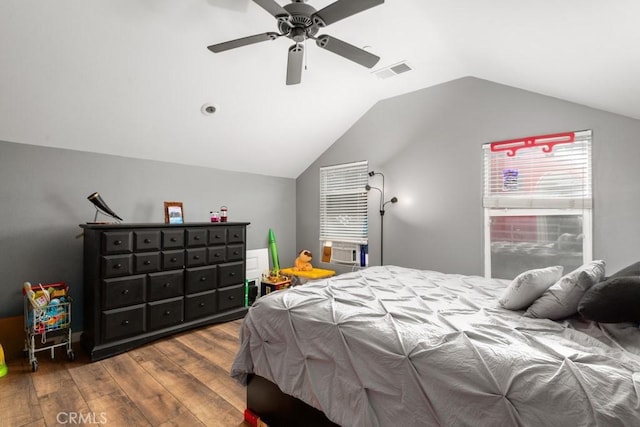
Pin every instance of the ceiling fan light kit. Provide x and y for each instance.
(299, 21)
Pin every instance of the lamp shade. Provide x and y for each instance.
(101, 205)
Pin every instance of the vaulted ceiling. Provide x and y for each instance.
(130, 77)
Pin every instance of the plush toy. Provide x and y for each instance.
(303, 262)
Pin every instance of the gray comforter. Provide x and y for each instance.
(391, 346)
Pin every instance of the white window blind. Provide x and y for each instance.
(548, 172)
(343, 203)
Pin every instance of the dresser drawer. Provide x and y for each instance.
(217, 236)
(201, 279)
(165, 285)
(147, 240)
(164, 313)
(123, 322)
(196, 237)
(235, 235)
(146, 262)
(172, 260)
(200, 305)
(172, 239)
(196, 257)
(123, 292)
(230, 297)
(216, 254)
(235, 252)
(116, 265)
(231, 274)
(116, 242)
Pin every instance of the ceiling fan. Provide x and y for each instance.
(299, 22)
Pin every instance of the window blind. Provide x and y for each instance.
(343, 203)
(546, 172)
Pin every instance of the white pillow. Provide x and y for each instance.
(528, 286)
(561, 300)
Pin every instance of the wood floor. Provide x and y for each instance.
(178, 381)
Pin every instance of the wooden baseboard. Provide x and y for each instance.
(12, 336)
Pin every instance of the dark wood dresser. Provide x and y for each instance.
(145, 281)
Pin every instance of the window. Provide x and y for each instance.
(343, 212)
(537, 202)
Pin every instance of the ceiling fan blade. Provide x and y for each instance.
(232, 44)
(294, 64)
(348, 51)
(342, 9)
(273, 8)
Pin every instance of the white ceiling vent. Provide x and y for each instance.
(393, 70)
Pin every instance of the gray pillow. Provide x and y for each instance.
(614, 300)
(562, 298)
(631, 270)
(528, 286)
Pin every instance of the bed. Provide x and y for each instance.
(393, 346)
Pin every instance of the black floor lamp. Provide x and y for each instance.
(382, 206)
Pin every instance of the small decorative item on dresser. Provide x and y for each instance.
(223, 214)
(173, 213)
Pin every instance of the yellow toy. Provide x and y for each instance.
(303, 262)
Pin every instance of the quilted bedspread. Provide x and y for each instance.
(392, 346)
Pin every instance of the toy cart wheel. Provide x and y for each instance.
(71, 355)
(34, 366)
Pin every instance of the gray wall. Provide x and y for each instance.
(427, 143)
(43, 199)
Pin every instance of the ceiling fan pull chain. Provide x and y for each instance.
(305, 54)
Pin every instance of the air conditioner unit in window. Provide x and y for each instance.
(345, 253)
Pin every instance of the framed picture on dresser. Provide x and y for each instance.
(173, 213)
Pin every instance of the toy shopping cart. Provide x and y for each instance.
(47, 320)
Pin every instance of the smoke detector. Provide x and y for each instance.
(208, 109)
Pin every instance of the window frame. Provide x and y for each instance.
(587, 228)
(353, 237)
(523, 206)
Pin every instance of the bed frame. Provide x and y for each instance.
(278, 409)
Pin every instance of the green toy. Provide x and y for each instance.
(3, 366)
(273, 246)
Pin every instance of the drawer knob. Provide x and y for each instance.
(196, 257)
(203, 278)
(196, 237)
(167, 285)
(231, 297)
(167, 313)
(125, 322)
(201, 304)
(216, 255)
(147, 240)
(125, 291)
(117, 266)
(117, 242)
(147, 262)
(174, 259)
(232, 274)
(236, 253)
(173, 239)
(236, 235)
